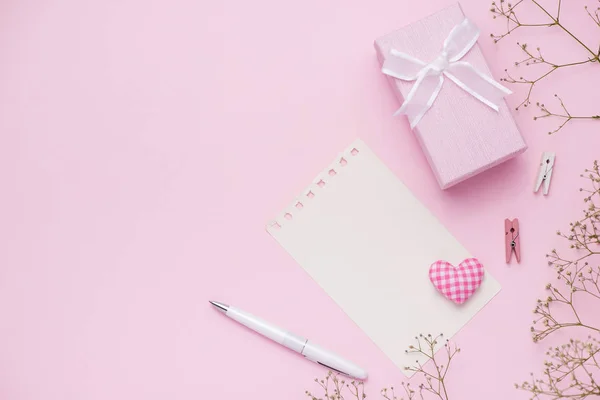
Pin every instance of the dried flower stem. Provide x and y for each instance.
(434, 382)
(567, 116)
(569, 374)
(507, 12)
(335, 388)
(595, 16)
(389, 394)
(571, 369)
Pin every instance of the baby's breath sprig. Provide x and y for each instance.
(574, 367)
(579, 274)
(569, 374)
(335, 388)
(508, 12)
(565, 114)
(434, 382)
(389, 394)
(594, 15)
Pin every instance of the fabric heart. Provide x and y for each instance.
(457, 283)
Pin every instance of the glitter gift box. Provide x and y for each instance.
(460, 135)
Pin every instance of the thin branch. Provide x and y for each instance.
(434, 383)
(565, 115)
(569, 373)
(508, 12)
(595, 15)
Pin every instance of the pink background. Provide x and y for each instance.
(145, 144)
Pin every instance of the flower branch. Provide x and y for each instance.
(570, 370)
(594, 15)
(564, 114)
(569, 374)
(334, 387)
(508, 12)
(434, 382)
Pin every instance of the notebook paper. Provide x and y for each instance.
(368, 242)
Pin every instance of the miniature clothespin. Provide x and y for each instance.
(545, 172)
(511, 239)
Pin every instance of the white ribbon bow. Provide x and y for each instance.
(430, 77)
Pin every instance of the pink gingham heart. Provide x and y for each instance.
(456, 283)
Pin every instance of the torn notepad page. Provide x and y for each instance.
(368, 242)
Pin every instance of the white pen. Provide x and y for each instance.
(294, 342)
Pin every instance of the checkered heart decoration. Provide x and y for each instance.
(457, 283)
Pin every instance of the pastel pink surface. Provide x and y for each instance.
(460, 136)
(143, 147)
(457, 283)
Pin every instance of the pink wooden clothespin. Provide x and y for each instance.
(511, 239)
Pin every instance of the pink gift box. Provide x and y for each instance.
(460, 135)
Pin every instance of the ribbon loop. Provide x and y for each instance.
(429, 77)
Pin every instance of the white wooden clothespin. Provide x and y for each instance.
(545, 172)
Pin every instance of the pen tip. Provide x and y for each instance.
(220, 306)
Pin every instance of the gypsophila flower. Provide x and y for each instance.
(552, 20)
(572, 366)
(435, 385)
